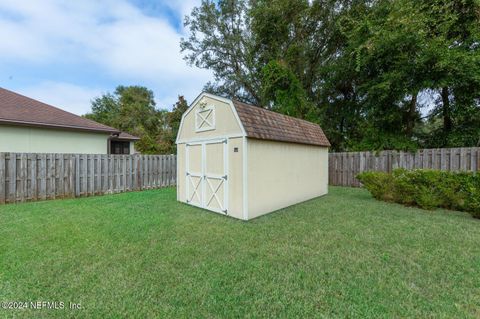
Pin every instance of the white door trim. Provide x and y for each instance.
(204, 176)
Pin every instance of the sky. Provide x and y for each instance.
(66, 53)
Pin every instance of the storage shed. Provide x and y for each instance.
(245, 161)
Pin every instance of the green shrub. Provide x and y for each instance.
(450, 188)
(471, 189)
(427, 189)
(417, 188)
(379, 184)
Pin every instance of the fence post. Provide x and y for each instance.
(2, 178)
(23, 177)
(13, 177)
(478, 159)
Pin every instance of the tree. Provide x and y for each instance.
(453, 28)
(171, 126)
(104, 110)
(221, 40)
(130, 109)
(385, 47)
(263, 52)
(283, 92)
(363, 69)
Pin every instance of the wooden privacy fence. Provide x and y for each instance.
(32, 176)
(343, 167)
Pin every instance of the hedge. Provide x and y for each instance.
(427, 189)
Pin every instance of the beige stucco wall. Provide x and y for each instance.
(23, 139)
(225, 122)
(283, 174)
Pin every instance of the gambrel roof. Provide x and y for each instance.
(264, 124)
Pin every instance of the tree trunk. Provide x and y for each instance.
(412, 110)
(446, 111)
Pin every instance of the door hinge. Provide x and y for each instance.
(224, 177)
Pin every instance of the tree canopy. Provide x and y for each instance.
(132, 109)
(376, 74)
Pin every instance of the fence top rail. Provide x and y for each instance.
(422, 150)
(88, 154)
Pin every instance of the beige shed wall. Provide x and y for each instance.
(23, 139)
(225, 122)
(283, 174)
(181, 179)
(235, 177)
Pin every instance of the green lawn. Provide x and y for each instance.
(145, 255)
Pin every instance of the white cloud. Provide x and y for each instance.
(111, 36)
(183, 7)
(75, 99)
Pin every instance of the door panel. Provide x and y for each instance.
(194, 164)
(194, 183)
(194, 188)
(214, 164)
(207, 175)
(215, 194)
(215, 176)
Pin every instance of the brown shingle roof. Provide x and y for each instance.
(126, 136)
(268, 125)
(22, 110)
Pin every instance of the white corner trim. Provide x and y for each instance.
(177, 167)
(226, 172)
(245, 179)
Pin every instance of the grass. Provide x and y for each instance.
(145, 255)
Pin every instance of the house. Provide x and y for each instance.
(30, 126)
(245, 161)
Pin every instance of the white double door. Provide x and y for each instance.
(206, 175)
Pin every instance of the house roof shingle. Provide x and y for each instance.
(22, 110)
(126, 136)
(268, 125)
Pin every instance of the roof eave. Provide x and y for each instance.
(124, 138)
(289, 141)
(55, 126)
